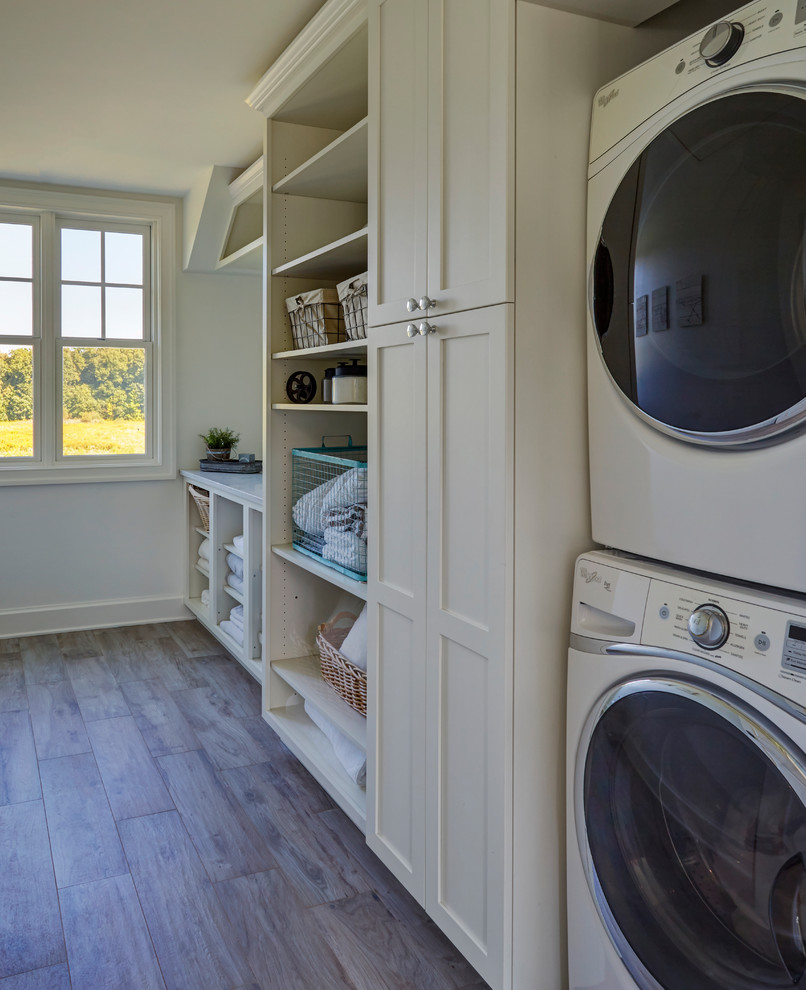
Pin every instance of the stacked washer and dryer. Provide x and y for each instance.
(687, 664)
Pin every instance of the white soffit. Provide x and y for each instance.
(627, 12)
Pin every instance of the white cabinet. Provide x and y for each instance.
(440, 154)
(315, 214)
(231, 543)
(440, 604)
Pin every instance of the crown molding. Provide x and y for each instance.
(325, 34)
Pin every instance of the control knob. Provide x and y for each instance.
(708, 626)
(721, 42)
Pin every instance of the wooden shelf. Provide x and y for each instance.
(339, 171)
(231, 548)
(304, 675)
(202, 570)
(234, 594)
(314, 751)
(347, 348)
(202, 532)
(198, 608)
(301, 560)
(320, 407)
(335, 261)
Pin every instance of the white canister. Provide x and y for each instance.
(350, 383)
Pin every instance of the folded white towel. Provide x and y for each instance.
(346, 549)
(203, 564)
(349, 488)
(204, 549)
(307, 510)
(235, 583)
(233, 631)
(235, 564)
(236, 615)
(354, 646)
(351, 757)
(237, 542)
(205, 596)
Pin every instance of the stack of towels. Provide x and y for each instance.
(333, 517)
(235, 565)
(349, 755)
(203, 562)
(233, 626)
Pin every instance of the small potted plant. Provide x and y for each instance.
(219, 442)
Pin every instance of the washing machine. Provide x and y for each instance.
(686, 781)
(697, 290)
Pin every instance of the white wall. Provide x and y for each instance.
(86, 555)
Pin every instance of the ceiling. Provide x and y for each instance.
(135, 96)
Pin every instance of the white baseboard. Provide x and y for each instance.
(90, 615)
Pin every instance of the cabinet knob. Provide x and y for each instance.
(412, 305)
(411, 330)
(425, 303)
(425, 328)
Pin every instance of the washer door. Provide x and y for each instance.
(698, 282)
(695, 838)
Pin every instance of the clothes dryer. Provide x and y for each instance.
(697, 337)
(686, 782)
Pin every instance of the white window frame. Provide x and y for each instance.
(55, 208)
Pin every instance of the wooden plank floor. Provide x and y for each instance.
(155, 834)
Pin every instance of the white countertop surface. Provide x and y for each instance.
(241, 487)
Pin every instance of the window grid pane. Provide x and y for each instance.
(16, 401)
(103, 401)
(106, 283)
(16, 250)
(16, 308)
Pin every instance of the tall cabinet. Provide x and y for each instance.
(441, 359)
(314, 99)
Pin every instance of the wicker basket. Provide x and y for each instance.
(349, 681)
(202, 500)
(315, 318)
(353, 299)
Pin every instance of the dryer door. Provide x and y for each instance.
(699, 279)
(695, 838)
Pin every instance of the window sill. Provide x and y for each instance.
(84, 475)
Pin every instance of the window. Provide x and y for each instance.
(85, 357)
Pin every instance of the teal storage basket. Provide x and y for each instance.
(329, 506)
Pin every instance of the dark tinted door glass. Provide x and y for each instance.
(698, 842)
(699, 276)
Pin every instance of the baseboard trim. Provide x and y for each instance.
(91, 615)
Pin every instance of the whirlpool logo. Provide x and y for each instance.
(606, 98)
(589, 577)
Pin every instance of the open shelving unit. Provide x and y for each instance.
(236, 508)
(315, 153)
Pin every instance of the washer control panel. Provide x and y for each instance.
(755, 638)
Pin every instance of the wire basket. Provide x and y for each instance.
(202, 500)
(349, 681)
(315, 318)
(329, 505)
(353, 299)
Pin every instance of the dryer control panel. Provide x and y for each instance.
(762, 30)
(754, 632)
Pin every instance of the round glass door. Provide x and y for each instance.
(697, 838)
(699, 279)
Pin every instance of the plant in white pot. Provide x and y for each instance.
(219, 442)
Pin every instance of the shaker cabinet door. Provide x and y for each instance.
(396, 603)
(469, 591)
(441, 168)
(398, 158)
